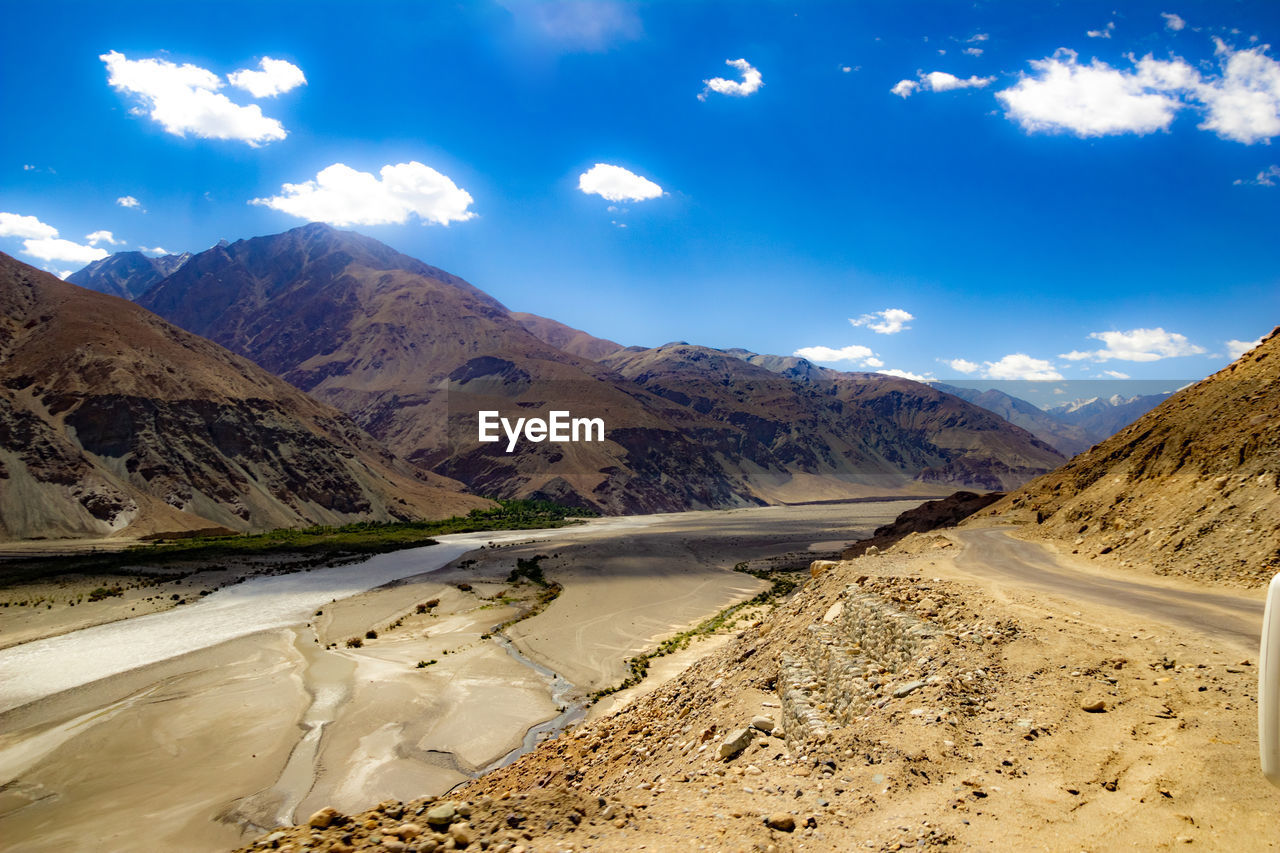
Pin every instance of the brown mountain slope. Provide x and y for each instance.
(1192, 487)
(856, 429)
(113, 421)
(412, 354)
(566, 338)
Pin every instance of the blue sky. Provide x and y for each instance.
(1045, 189)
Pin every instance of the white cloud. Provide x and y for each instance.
(904, 88)
(960, 365)
(28, 227)
(890, 321)
(1266, 178)
(749, 84)
(1244, 104)
(854, 352)
(1137, 345)
(41, 240)
(184, 99)
(906, 374)
(102, 237)
(1021, 366)
(938, 81)
(973, 51)
(341, 195)
(128, 201)
(1094, 99)
(872, 362)
(979, 37)
(1173, 22)
(1112, 374)
(615, 183)
(276, 77)
(1104, 33)
(1235, 349)
(57, 249)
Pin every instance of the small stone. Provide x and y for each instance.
(394, 844)
(275, 838)
(441, 815)
(325, 818)
(781, 821)
(833, 613)
(461, 833)
(907, 689)
(406, 830)
(737, 741)
(1094, 706)
(763, 723)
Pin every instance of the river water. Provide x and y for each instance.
(42, 668)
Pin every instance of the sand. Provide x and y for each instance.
(213, 746)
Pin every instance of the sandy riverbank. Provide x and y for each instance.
(223, 741)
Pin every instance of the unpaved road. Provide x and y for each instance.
(992, 554)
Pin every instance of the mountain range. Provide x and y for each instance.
(407, 355)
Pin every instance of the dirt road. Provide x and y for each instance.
(993, 554)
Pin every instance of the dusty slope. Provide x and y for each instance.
(910, 706)
(1192, 487)
(412, 353)
(113, 421)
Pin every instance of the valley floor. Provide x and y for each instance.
(938, 696)
(208, 749)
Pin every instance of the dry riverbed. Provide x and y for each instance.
(216, 745)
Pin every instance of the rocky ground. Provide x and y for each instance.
(892, 703)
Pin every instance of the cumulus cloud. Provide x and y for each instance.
(890, 321)
(854, 352)
(1094, 99)
(1235, 348)
(185, 99)
(1266, 178)
(906, 374)
(904, 88)
(41, 240)
(27, 227)
(960, 365)
(973, 51)
(57, 249)
(1112, 374)
(1173, 22)
(1244, 104)
(128, 201)
(938, 81)
(887, 322)
(979, 37)
(1104, 33)
(749, 84)
(1137, 345)
(1064, 95)
(615, 183)
(275, 78)
(102, 237)
(341, 195)
(1021, 366)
